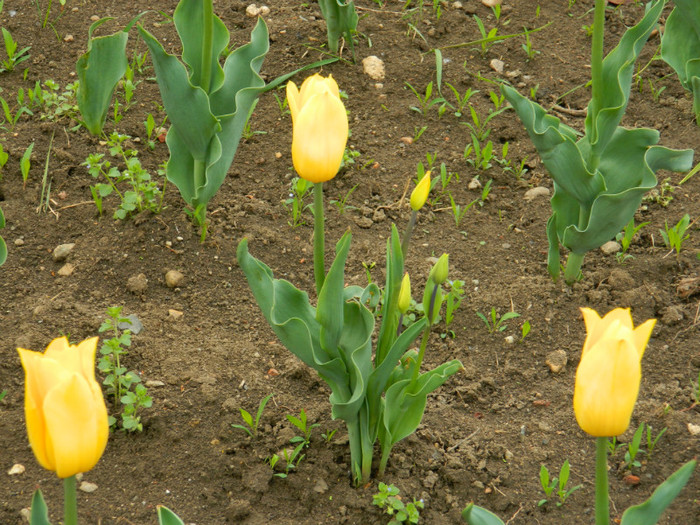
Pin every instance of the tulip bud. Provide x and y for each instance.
(439, 272)
(609, 374)
(320, 128)
(420, 192)
(405, 294)
(64, 408)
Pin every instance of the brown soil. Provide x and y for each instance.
(489, 428)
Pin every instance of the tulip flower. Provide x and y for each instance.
(65, 411)
(420, 193)
(404, 294)
(320, 125)
(608, 376)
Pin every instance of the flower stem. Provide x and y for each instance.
(421, 354)
(319, 238)
(70, 502)
(602, 508)
(573, 267)
(407, 234)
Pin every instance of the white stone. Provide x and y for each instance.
(373, 67)
(16, 469)
(88, 487)
(497, 65)
(533, 193)
(694, 429)
(611, 248)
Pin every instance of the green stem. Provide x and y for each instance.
(207, 40)
(386, 451)
(421, 353)
(70, 502)
(596, 75)
(407, 234)
(573, 267)
(602, 507)
(46, 18)
(319, 238)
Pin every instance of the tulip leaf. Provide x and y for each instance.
(680, 47)
(604, 115)
(649, 512)
(3, 246)
(189, 19)
(341, 20)
(206, 126)
(39, 513)
(329, 310)
(406, 400)
(168, 517)
(389, 313)
(474, 515)
(99, 70)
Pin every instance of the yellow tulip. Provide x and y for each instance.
(64, 407)
(404, 301)
(608, 376)
(420, 193)
(320, 128)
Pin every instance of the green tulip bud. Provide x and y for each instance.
(439, 272)
(405, 294)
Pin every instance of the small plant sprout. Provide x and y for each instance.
(388, 499)
(496, 323)
(633, 448)
(342, 202)
(458, 211)
(488, 39)
(524, 331)
(651, 440)
(527, 47)
(302, 425)
(674, 236)
(548, 486)
(453, 299)
(14, 57)
(328, 435)
(425, 100)
(3, 394)
(485, 191)
(253, 424)
(291, 457)
(462, 101)
(117, 379)
(625, 239)
(10, 119)
(25, 164)
(299, 190)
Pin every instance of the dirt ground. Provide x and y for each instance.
(205, 350)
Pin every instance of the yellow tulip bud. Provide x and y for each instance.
(420, 193)
(64, 407)
(320, 128)
(439, 272)
(405, 294)
(608, 376)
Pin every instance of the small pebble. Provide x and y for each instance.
(88, 487)
(556, 361)
(66, 270)
(62, 251)
(173, 278)
(611, 248)
(175, 314)
(16, 469)
(533, 193)
(694, 429)
(497, 65)
(373, 67)
(137, 283)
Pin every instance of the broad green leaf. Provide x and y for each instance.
(168, 517)
(99, 71)
(39, 512)
(330, 306)
(474, 515)
(341, 20)
(649, 512)
(680, 47)
(605, 115)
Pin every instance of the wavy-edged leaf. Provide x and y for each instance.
(557, 146)
(187, 106)
(405, 403)
(605, 115)
(330, 306)
(649, 512)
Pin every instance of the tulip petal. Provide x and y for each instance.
(319, 138)
(596, 327)
(76, 426)
(642, 334)
(607, 386)
(74, 358)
